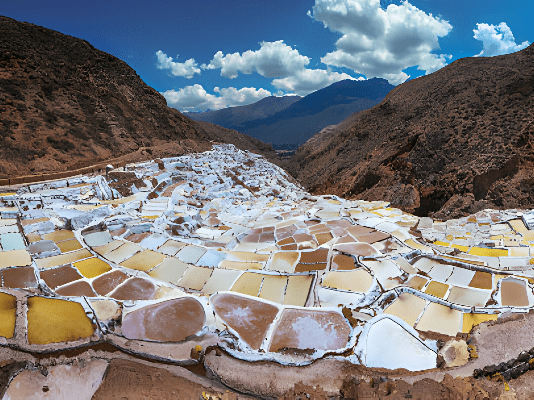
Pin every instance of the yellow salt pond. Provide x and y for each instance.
(8, 314)
(471, 320)
(56, 321)
(92, 267)
(144, 260)
(69, 245)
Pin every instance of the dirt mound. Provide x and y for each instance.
(65, 104)
(446, 144)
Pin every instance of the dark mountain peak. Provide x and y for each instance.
(360, 82)
(343, 92)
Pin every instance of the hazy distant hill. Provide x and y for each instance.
(452, 142)
(64, 104)
(235, 117)
(298, 119)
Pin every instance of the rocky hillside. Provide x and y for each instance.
(298, 119)
(65, 104)
(447, 144)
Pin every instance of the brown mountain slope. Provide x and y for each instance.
(65, 104)
(450, 143)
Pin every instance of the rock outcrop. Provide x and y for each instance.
(446, 144)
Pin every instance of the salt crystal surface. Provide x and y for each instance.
(388, 342)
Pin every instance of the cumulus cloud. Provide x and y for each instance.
(280, 62)
(379, 42)
(195, 97)
(497, 40)
(187, 69)
(272, 60)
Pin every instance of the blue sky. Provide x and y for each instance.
(215, 54)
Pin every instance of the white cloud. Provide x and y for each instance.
(306, 81)
(382, 43)
(497, 40)
(195, 97)
(272, 60)
(187, 69)
(280, 62)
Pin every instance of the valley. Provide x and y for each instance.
(362, 241)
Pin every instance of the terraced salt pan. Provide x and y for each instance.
(57, 321)
(341, 262)
(407, 307)
(59, 276)
(12, 241)
(284, 261)
(123, 252)
(460, 277)
(134, 288)
(171, 247)
(76, 289)
(63, 259)
(249, 318)
(15, 258)
(195, 278)
(72, 381)
(92, 267)
(191, 254)
(513, 292)
(167, 321)
(468, 296)
(220, 280)
(69, 245)
(170, 270)
(144, 260)
(389, 343)
(309, 329)
(8, 312)
(273, 288)
(107, 282)
(102, 250)
(355, 281)
(441, 319)
(248, 283)
(211, 239)
(18, 278)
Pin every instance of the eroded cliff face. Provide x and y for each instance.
(65, 104)
(447, 144)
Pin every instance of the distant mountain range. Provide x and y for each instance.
(294, 119)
